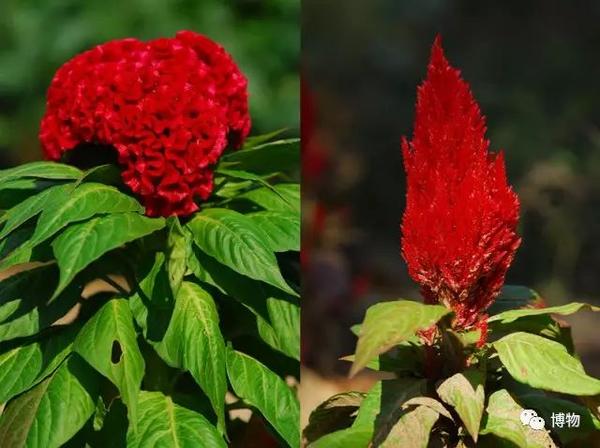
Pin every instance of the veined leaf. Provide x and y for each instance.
(286, 198)
(162, 423)
(465, 392)
(334, 414)
(108, 343)
(52, 412)
(24, 306)
(25, 365)
(255, 140)
(503, 421)
(277, 316)
(179, 243)
(263, 389)
(544, 364)
(233, 240)
(345, 438)
(282, 229)
(193, 341)
(412, 429)
(83, 243)
(387, 324)
(41, 170)
(570, 308)
(276, 156)
(29, 208)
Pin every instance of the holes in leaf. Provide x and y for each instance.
(116, 353)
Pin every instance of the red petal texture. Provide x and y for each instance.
(168, 106)
(459, 227)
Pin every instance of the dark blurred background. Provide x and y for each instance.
(37, 36)
(533, 66)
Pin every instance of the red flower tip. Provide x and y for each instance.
(459, 227)
(168, 106)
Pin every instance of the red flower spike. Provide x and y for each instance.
(168, 106)
(459, 227)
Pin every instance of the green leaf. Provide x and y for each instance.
(29, 208)
(256, 140)
(345, 438)
(277, 156)
(25, 365)
(282, 229)
(513, 297)
(41, 170)
(503, 419)
(277, 316)
(79, 204)
(465, 392)
(546, 406)
(162, 423)
(285, 198)
(52, 412)
(334, 414)
(260, 387)
(194, 341)
(387, 324)
(411, 430)
(570, 308)
(179, 242)
(108, 343)
(378, 410)
(544, 364)
(233, 240)
(24, 306)
(81, 244)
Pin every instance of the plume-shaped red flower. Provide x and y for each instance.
(459, 227)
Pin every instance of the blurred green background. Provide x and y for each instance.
(37, 36)
(534, 68)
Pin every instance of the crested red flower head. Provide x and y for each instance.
(168, 106)
(459, 227)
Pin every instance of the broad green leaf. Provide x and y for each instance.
(387, 324)
(277, 156)
(282, 229)
(29, 208)
(235, 241)
(286, 198)
(277, 318)
(41, 170)
(52, 412)
(260, 387)
(385, 398)
(334, 414)
(179, 242)
(544, 364)
(108, 343)
(465, 392)
(282, 330)
(432, 403)
(16, 191)
(194, 341)
(24, 306)
(164, 424)
(412, 429)
(345, 438)
(546, 406)
(83, 243)
(503, 419)
(513, 297)
(79, 204)
(24, 365)
(570, 308)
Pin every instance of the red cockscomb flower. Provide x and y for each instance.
(168, 106)
(459, 227)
